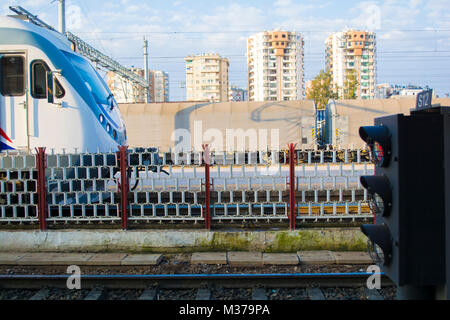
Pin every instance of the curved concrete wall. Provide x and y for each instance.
(165, 125)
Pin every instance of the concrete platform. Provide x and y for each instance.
(352, 257)
(238, 258)
(142, 260)
(280, 259)
(316, 257)
(209, 258)
(37, 259)
(10, 258)
(106, 259)
(233, 258)
(70, 258)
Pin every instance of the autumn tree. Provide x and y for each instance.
(322, 89)
(351, 85)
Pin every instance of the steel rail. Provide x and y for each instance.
(184, 281)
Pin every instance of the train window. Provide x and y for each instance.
(38, 88)
(12, 77)
(39, 82)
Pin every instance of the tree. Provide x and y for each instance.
(322, 89)
(351, 85)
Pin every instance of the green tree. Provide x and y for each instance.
(351, 85)
(322, 89)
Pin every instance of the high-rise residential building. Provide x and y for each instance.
(352, 55)
(275, 66)
(160, 86)
(125, 91)
(206, 78)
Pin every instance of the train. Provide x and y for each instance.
(51, 96)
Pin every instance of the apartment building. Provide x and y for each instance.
(352, 53)
(207, 78)
(125, 91)
(160, 86)
(386, 90)
(275, 66)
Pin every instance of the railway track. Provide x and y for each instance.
(295, 286)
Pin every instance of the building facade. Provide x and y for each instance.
(275, 66)
(385, 90)
(238, 94)
(160, 86)
(352, 55)
(125, 91)
(207, 78)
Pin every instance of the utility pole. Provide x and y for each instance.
(147, 95)
(62, 16)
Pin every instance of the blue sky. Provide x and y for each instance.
(413, 36)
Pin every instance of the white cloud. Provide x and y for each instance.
(415, 3)
(285, 8)
(370, 17)
(437, 10)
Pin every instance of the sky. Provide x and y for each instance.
(413, 36)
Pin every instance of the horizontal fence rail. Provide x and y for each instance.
(159, 188)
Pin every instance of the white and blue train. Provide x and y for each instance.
(51, 96)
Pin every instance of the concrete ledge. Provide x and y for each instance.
(9, 258)
(240, 258)
(316, 257)
(182, 241)
(280, 258)
(71, 258)
(103, 259)
(37, 259)
(141, 259)
(352, 258)
(245, 258)
(209, 258)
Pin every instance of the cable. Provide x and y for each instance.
(86, 11)
(256, 31)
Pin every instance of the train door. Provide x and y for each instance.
(13, 101)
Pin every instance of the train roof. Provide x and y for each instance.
(58, 39)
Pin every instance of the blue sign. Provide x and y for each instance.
(424, 99)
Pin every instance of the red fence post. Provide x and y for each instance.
(41, 164)
(123, 186)
(207, 187)
(292, 186)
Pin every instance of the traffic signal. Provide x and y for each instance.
(378, 139)
(380, 191)
(407, 197)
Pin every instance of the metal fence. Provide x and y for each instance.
(166, 188)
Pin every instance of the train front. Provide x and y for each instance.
(106, 110)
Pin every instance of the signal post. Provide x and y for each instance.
(410, 199)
